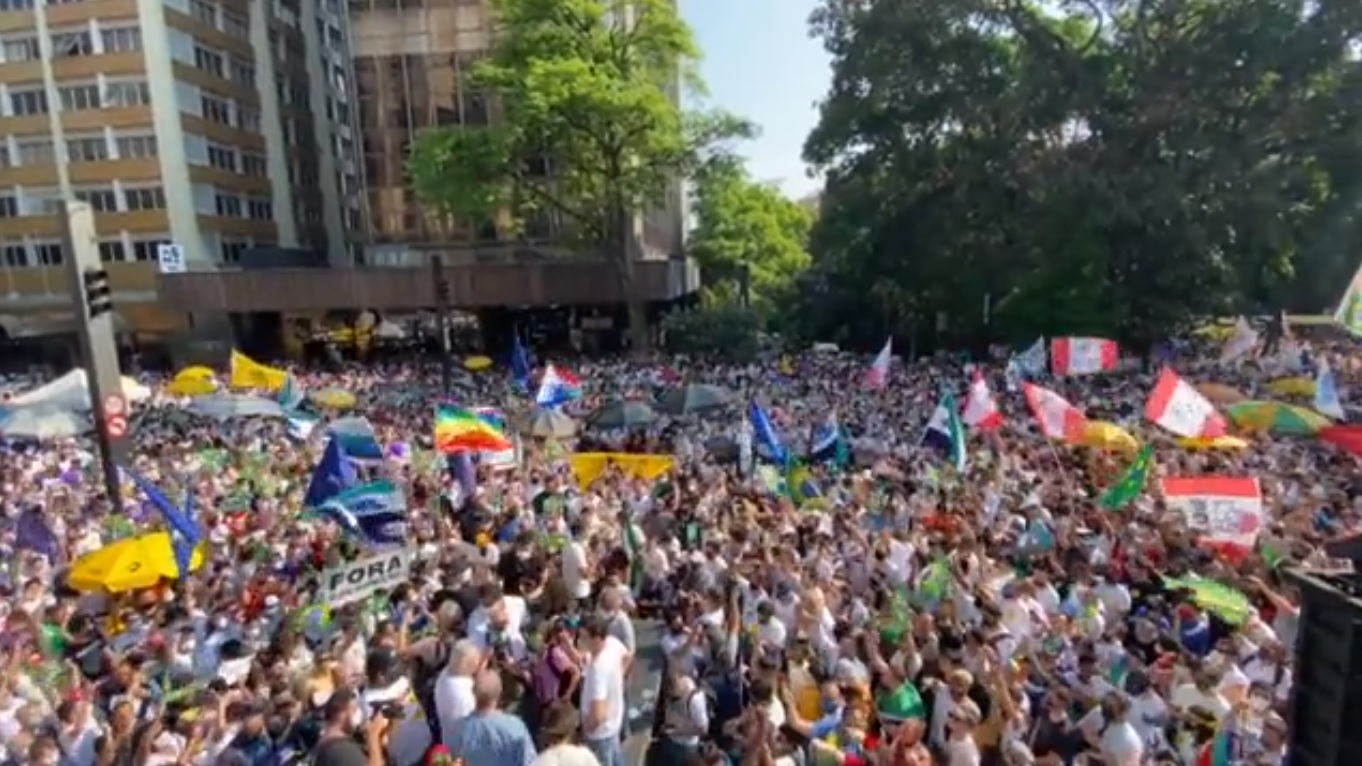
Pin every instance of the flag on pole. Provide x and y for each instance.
(981, 410)
(1058, 419)
(877, 376)
(946, 433)
(1083, 356)
(1327, 400)
(1176, 405)
(1131, 483)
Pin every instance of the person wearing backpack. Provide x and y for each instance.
(685, 723)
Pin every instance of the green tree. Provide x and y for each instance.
(591, 85)
(741, 224)
(1112, 167)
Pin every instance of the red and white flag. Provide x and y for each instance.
(981, 410)
(1225, 512)
(1057, 418)
(1083, 356)
(878, 374)
(1177, 406)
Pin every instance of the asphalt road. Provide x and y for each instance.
(642, 688)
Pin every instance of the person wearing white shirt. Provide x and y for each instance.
(454, 688)
(602, 702)
(576, 569)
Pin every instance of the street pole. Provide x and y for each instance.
(99, 354)
(437, 267)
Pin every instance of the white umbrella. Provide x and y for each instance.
(43, 423)
(229, 406)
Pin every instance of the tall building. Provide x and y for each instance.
(215, 125)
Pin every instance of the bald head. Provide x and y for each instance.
(487, 689)
(464, 658)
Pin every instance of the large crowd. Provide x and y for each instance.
(884, 607)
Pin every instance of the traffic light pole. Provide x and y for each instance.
(94, 325)
(437, 267)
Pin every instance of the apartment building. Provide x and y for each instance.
(213, 125)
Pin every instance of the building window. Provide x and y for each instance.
(236, 25)
(112, 251)
(22, 102)
(248, 119)
(48, 253)
(9, 206)
(204, 11)
(6, 159)
(136, 147)
(260, 209)
(254, 165)
(21, 49)
(79, 98)
(14, 255)
(228, 205)
(128, 93)
(101, 200)
(232, 250)
(73, 43)
(209, 61)
(222, 157)
(243, 71)
(88, 149)
(36, 151)
(216, 109)
(146, 250)
(122, 39)
(149, 198)
(16, 5)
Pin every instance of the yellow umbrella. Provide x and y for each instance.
(1215, 330)
(1213, 443)
(335, 398)
(1220, 393)
(132, 563)
(1108, 436)
(1297, 386)
(476, 363)
(193, 381)
(1275, 416)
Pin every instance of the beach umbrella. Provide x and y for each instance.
(41, 423)
(1276, 417)
(133, 563)
(549, 424)
(1106, 436)
(621, 414)
(333, 398)
(695, 397)
(1221, 393)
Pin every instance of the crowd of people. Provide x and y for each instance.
(904, 613)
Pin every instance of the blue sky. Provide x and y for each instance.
(760, 63)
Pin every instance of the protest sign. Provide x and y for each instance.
(359, 579)
(1221, 509)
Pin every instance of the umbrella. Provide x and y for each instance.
(1220, 393)
(1296, 386)
(696, 397)
(722, 447)
(193, 381)
(477, 363)
(228, 406)
(41, 423)
(1108, 436)
(1213, 443)
(622, 414)
(1275, 416)
(549, 424)
(132, 563)
(334, 398)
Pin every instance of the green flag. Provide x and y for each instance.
(1131, 484)
(903, 704)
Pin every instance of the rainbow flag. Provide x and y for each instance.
(459, 429)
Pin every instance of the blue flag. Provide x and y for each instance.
(333, 475)
(520, 364)
(461, 468)
(33, 533)
(358, 440)
(766, 435)
(374, 513)
(184, 531)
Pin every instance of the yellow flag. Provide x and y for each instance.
(248, 373)
(588, 466)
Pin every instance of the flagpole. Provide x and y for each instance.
(437, 267)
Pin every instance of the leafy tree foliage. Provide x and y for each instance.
(590, 85)
(741, 224)
(724, 330)
(1112, 167)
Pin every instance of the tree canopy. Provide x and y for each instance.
(742, 224)
(1106, 167)
(588, 132)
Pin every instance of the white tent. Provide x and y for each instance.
(72, 391)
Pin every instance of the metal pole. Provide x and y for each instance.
(99, 353)
(437, 266)
(50, 92)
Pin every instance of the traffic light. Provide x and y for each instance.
(442, 291)
(98, 300)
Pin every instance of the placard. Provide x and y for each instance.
(360, 579)
(170, 258)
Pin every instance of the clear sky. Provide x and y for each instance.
(760, 63)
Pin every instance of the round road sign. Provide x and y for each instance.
(117, 426)
(114, 405)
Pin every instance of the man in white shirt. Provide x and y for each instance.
(576, 567)
(454, 688)
(602, 703)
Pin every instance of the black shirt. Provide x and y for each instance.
(339, 751)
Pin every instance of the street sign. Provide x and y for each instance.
(117, 426)
(114, 405)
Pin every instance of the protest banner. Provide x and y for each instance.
(360, 579)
